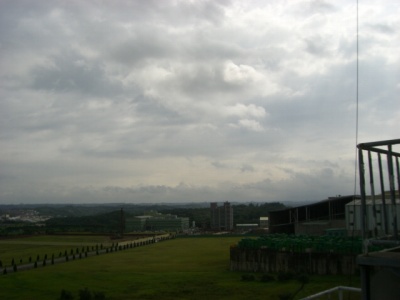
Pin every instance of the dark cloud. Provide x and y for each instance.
(383, 28)
(73, 73)
(321, 6)
(142, 45)
(316, 45)
(247, 168)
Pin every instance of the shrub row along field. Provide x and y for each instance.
(44, 249)
(303, 243)
(25, 250)
(182, 268)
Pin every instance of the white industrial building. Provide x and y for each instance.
(376, 224)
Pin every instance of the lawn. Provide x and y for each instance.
(183, 268)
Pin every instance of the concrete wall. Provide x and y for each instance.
(270, 261)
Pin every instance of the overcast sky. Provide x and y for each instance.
(181, 101)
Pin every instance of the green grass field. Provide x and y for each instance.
(183, 268)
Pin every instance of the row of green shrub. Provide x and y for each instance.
(77, 251)
(304, 243)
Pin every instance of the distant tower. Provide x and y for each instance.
(214, 212)
(122, 222)
(221, 216)
(228, 216)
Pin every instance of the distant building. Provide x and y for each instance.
(264, 223)
(246, 227)
(157, 222)
(136, 223)
(221, 216)
(168, 223)
(379, 217)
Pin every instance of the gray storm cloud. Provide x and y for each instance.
(172, 101)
